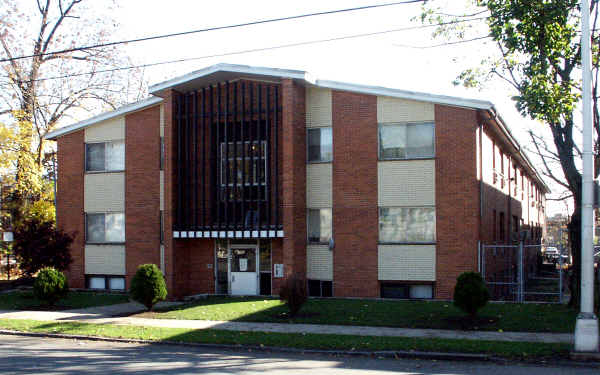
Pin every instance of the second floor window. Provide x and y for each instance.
(319, 225)
(105, 156)
(406, 141)
(105, 227)
(407, 224)
(320, 145)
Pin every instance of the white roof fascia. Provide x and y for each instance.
(232, 68)
(128, 108)
(403, 94)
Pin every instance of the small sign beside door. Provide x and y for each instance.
(243, 264)
(278, 270)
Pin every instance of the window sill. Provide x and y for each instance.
(105, 243)
(406, 243)
(407, 159)
(319, 161)
(97, 172)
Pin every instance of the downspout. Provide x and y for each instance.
(54, 178)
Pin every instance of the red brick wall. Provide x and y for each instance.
(69, 200)
(142, 189)
(457, 196)
(293, 170)
(355, 217)
(170, 187)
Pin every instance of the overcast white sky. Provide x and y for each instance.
(376, 60)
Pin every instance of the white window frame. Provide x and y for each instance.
(405, 124)
(381, 241)
(87, 241)
(308, 160)
(105, 170)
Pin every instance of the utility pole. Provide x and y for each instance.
(586, 328)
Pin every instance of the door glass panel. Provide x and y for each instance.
(265, 256)
(222, 287)
(243, 260)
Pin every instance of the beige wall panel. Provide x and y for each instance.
(408, 183)
(406, 262)
(318, 107)
(104, 192)
(319, 262)
(402, 110)
(162, 190)
(162, 120)
(162, 259)
(318, 185)
(105, 259)
(109, 130)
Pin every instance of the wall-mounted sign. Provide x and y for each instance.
(243, 264)
(278, 270)
(7, 236)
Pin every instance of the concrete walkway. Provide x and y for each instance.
(117, 314)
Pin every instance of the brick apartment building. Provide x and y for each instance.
(232, 177)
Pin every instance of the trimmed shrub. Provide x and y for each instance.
(50, 286)
(293, 293)
(470, 293)
(148, 286)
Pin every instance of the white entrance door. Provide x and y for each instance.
(243, 267)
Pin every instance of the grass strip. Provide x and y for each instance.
(405, 314)
(511, 350)
(25, 300)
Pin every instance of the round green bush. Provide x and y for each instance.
(50, 285)
(148, 286)
(470, 293)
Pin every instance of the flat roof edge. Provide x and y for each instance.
(128, 108)
(230, 68)
(404, 94)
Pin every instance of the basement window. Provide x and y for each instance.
(406, 291)
(320, 288)
(104, 282)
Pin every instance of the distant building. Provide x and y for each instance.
(234, 177)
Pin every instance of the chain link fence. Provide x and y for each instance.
(519, 273)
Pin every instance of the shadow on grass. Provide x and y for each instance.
(380, 313)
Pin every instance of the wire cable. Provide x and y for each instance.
(259, 22)
(251, 50)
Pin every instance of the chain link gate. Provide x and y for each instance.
(517, 273)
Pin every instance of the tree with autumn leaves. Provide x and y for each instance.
(537, 51)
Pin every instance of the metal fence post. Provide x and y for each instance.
(560, 276)
(520, 272)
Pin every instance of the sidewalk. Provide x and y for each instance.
(116, 314)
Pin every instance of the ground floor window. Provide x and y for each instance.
(320, 288)
(406, 291)
(104, 282)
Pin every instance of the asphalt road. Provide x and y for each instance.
(32, 355)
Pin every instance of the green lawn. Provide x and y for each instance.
(25, 300)
(514, 350)
(407, 314)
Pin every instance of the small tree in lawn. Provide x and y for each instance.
(38, 244)
(50, 286)
(470, 293)
(293, 292)
(148, 286)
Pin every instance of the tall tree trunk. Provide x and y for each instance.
(574, 227)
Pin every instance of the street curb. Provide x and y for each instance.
(377, 354)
